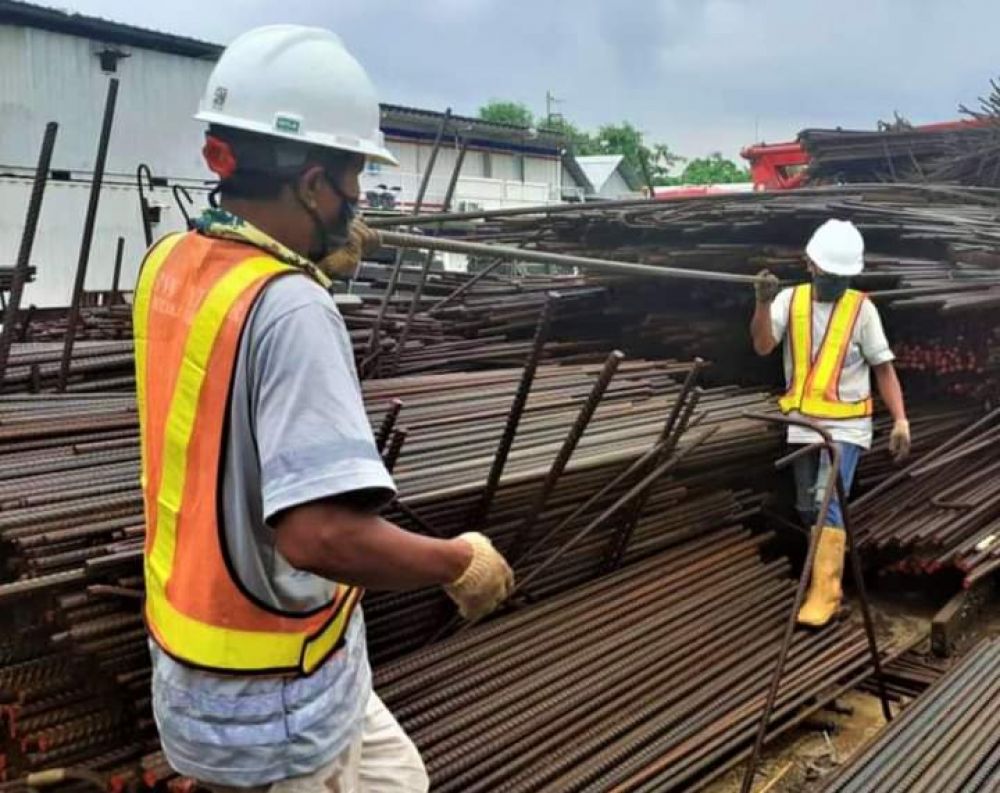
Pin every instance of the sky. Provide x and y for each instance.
(698, 75)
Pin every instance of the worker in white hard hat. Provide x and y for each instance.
(261, 479)
(833, 339)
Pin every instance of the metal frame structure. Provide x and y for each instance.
(835, 484)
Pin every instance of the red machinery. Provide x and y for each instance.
(782, 166)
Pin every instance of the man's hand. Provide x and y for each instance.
(766, 287)
(362, 241)
(899, 440)
(485, 583)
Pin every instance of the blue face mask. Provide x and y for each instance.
(829, 288)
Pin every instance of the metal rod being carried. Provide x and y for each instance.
(607, 266)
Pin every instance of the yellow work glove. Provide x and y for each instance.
(899, 440)
(766, 287)
(361, 242)
(486, 582)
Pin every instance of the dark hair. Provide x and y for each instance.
(264, 165)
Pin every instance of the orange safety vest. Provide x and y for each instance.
(191, 302)
(815, 387)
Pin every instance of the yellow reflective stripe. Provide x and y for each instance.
(140, 331)
(812, 379)
(319, 647)
(198, 347)
(824, 409)
(838, 333)
(215, 647)
(800, 337)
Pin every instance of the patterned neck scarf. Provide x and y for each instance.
(219, 223)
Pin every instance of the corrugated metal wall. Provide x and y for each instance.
(48, 76)
(57, 245)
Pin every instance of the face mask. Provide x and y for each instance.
(829, 288)
(332, 254)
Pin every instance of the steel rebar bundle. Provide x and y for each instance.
(948, 741)
(647, 679)
(942, 511)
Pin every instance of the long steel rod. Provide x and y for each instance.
(482, 508)
(397, 265)
(606, 266)
(833, 485)
(144, 208)
(418, 290)
(562, 458)
(117, 276)
(20, 276)
(88, 232)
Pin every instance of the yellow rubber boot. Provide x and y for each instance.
(825, 591)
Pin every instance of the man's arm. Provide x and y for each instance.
(761, 327)
(760, 330)
(340, 542)
(889, 389)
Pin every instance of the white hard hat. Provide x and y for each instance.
(838, 248)
(297, 83)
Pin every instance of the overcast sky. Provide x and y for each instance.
(700, 75)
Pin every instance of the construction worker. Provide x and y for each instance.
(261, 478)
(833, 338)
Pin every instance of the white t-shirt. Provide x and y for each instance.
(869, 347)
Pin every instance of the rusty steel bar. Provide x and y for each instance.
(482, 509)
(833, 486)
(117, 275)
(21, 264)
(418, 289)
(397, 267)
(388, 424)
(97, 180)
(586, 263)
(144, 209)
(576, 431)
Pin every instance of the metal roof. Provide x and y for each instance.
(104, 30)
(396, 116)
(599, 168)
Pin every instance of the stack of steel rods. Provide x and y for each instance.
(948, 741)
(943, 511)
(909, 675)
(926, 243)
(891, 155)
(651, 678)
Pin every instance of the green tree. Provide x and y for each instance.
(713, 169)
(628, 141)
(577, 139)
(502, 112)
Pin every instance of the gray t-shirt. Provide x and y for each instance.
(869, 347)
(297, 432)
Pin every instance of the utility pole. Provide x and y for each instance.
(550, 100)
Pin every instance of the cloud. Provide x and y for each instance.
(700, 75)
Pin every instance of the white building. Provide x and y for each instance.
(611, 176)
(56, 66)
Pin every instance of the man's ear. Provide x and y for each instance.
(309, 184)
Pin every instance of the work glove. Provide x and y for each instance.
(899, 440)
(766, 287)
(486, 582)
(362, 241)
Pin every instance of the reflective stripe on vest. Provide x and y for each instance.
(815, 383)
(192, 300)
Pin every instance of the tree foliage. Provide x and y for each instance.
(713, 169)
(623, 138)
(502, 112)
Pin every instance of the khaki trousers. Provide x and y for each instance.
(382, 760)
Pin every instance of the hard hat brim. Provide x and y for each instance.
(369, 150)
